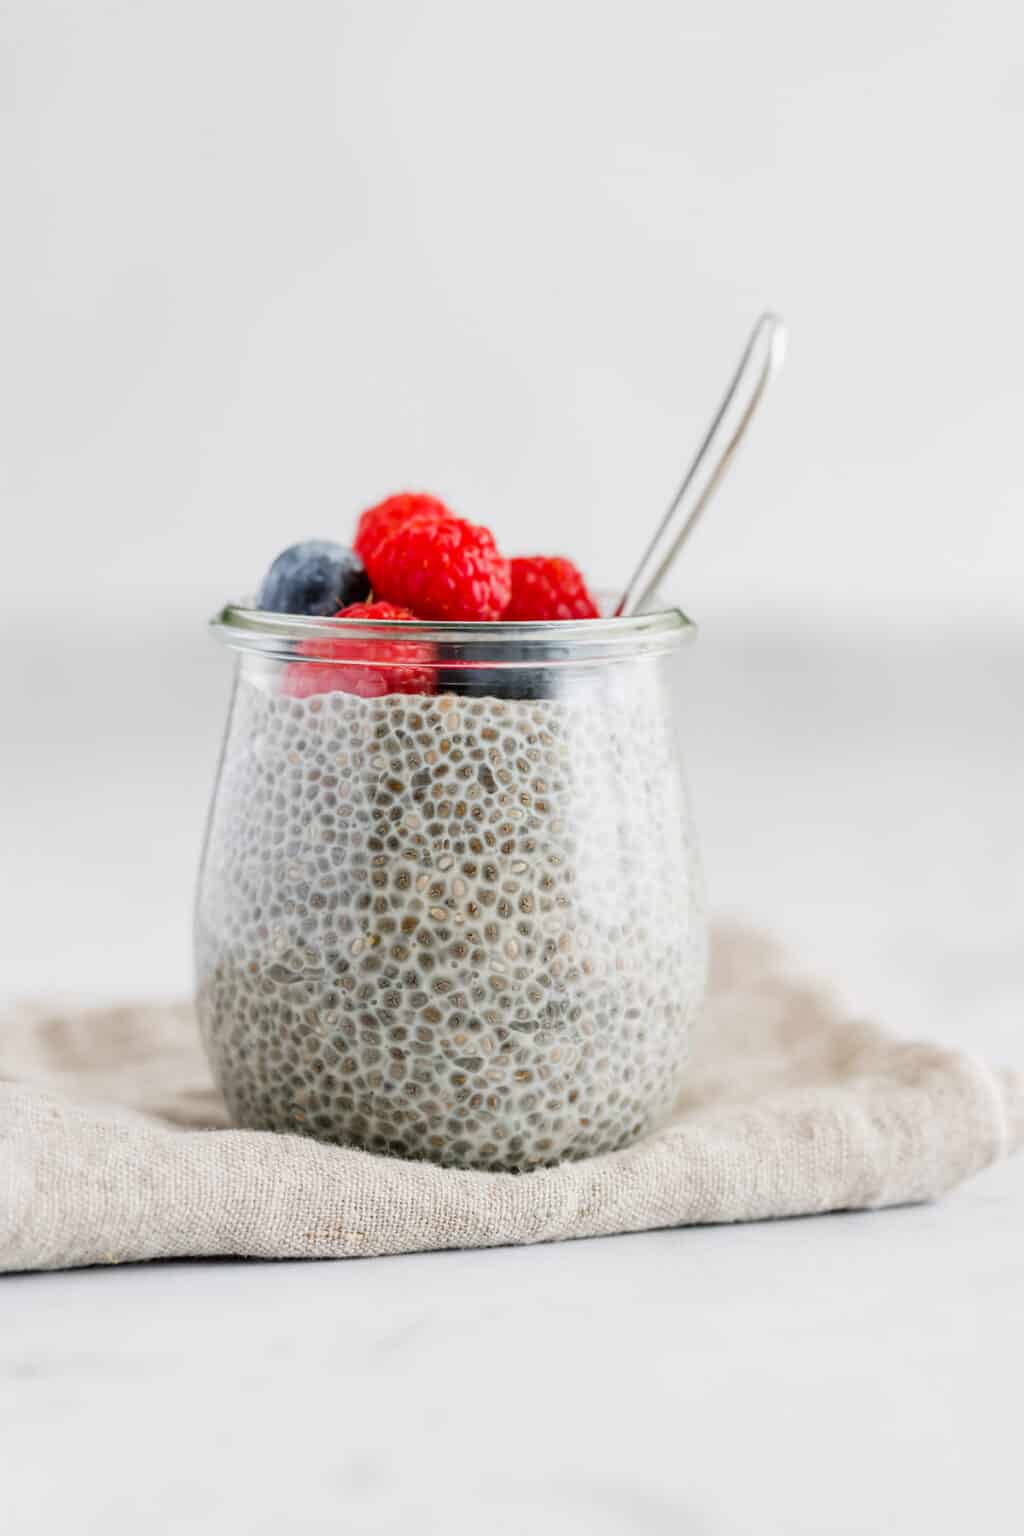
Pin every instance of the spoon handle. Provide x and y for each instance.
(762, 358)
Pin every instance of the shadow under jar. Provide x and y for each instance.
(450, 904)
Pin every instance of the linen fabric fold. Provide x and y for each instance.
(116, 1147)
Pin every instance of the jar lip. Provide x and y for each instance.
(246, 628)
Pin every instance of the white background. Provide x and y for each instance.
(261, 264)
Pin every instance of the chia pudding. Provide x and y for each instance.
(466, 929)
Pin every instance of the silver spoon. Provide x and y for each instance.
(762, 358)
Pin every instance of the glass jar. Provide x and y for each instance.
(450, 904)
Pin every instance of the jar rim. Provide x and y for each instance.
(245, 628)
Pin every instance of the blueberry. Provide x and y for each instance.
(499, 683)
(515, 682)
(315, 577)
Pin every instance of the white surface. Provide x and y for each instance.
(858, 790)
(848, 1374)
(264, 263)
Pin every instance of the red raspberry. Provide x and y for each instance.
(546, 587)
(377, 522)
(441, 568)
(398, 672)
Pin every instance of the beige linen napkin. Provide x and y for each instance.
(115, 1146)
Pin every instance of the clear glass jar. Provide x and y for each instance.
(450, 904)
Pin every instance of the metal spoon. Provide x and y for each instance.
(762, 358)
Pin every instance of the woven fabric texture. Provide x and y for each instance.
(114, 1145)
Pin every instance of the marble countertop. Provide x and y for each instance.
(857, 788)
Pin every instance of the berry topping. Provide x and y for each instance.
(377, 613)
(377, 522)
(367, 668)
(483, 682)
(546, 587)
(441, 568)
(315, 577)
